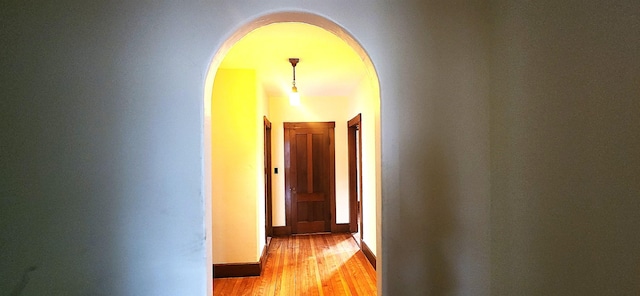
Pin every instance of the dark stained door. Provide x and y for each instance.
(309, 176)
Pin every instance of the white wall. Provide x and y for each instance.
(101, 148)
(314, 109)
(525, 111)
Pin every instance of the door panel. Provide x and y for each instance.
(309, 176)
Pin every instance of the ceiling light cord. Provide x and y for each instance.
(294, 96)
(294, 63)
(294, 75)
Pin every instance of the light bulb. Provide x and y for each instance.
(294, 97)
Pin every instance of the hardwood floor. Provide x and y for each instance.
(317, 264)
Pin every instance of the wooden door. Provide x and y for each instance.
(309, 176)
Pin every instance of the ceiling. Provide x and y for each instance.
(328, 66)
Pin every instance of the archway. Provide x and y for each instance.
(285, 17)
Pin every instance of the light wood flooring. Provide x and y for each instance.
(317, 264)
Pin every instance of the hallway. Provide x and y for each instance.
(318, 264)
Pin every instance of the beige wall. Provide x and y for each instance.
(365, 102)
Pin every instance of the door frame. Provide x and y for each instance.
(331, 170)
(268, 189)
(354, 132)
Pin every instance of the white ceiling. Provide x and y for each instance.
(327, 67)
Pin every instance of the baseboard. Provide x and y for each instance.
(281, 230)
(240, 269)
(367, 253)
(342, 227)
(263, 256)
(286, 230)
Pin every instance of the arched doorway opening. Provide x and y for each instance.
(371, 123)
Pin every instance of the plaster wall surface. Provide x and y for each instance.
(565, 142)
(435, 148)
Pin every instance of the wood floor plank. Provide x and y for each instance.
(338, 274)
(288, 279)
(346, 270)
(316, 267)
(317, 264)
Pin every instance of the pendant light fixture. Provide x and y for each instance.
(294, 96)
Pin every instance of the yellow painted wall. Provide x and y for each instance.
(237, 163)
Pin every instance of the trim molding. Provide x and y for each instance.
(354, 148)
(240, 269)
(342, 227)
(367, 253)
(286, 230)
(281, 230)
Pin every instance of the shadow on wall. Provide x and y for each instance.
(431, 216)
(439, 224)
(17, 290)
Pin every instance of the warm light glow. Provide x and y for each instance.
(294, 97)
